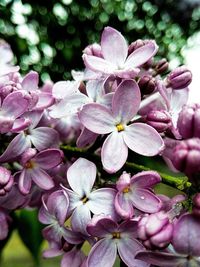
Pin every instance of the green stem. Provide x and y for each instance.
(180, 183)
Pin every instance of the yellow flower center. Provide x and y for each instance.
(126, 190)
(29, 165)
(84, 199)
(116, 235)
(120, 127)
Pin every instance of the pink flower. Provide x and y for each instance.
(139, 137)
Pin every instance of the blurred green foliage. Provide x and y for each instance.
(49, 35)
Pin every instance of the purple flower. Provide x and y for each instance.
(179, 78)
(114, 49)
(135, 192)
(6, 181)
(4, 225)
(114, 238)
(81, 177)
(186, 243)
(139, 137)
(35, 168)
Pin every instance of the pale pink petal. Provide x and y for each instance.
(65, 88)
(45, 217)
(44, 137)
(127, 249)
(42, 179)
(114, 152)
(95, 89)
(14, 105)
(141, 55)
(102, 254)
(114, 46)
(143, 139)
(30, 81)
(102, 201)
(73, 258)
(15, 148)
(162, 259)
(123, 206)
(97, 118)
(98, 64)
(45, 100)
(145, 201)
(126, 101)
(49, 158)
(80, 218)
(81, 176)
(25, 182)
(145, 179)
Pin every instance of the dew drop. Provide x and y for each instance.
(142, 197)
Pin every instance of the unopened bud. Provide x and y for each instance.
(6, 181)
(180, 78)
(159, 120)
(189, 121)
(135, 45)
(161, 66)
(93, 50)
(147, 85)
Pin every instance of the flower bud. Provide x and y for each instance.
(6, 181)
(161, 66)
(186, 156)
(93, 50)
(189, 121)
(135, 45)
(159, 120)
(147, 85)
(155, 230)
(180, 78)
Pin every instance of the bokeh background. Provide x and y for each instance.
(49, 35)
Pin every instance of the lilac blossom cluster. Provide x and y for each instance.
(68, 149)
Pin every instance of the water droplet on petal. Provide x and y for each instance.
(143, 197)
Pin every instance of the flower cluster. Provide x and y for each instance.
(73, 151)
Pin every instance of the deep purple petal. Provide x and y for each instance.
(114, 46)
(97, 118)
(145, 201)
(141, 55)
(49, 158)
(161, 258)
(127, 249)
(81, 176)
(86, 138)
(143, 139)
(126, 101)
(102, 254)
(114, 152)
(186, 236)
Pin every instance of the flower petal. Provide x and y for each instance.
(141, 55)
(80, 218)
(63, 89)
(114, 152)
(123, 206)
(145, 201)
(98, 64)
(97, 118)
(127, 249)
(30, 81)
(126, 101)
(102, 254)
(114, 46)
(186, 236)
(101, 226)
(143, 139)
(42, 179)
(81, 176)
(44, 137)
(161, 258)
(25, 182)
(145, 179)
(86, 138)
(101, 201)
(73, 258)
(49, 158)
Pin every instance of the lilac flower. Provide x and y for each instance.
(186, 243)
(81, 177)
(35, 168)
(4, 224)
(114, 49)
(139, 137)
(114, 238)
(12, 107)
(135, 192)
(54, 212)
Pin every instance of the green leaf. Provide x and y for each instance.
(30, 232)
